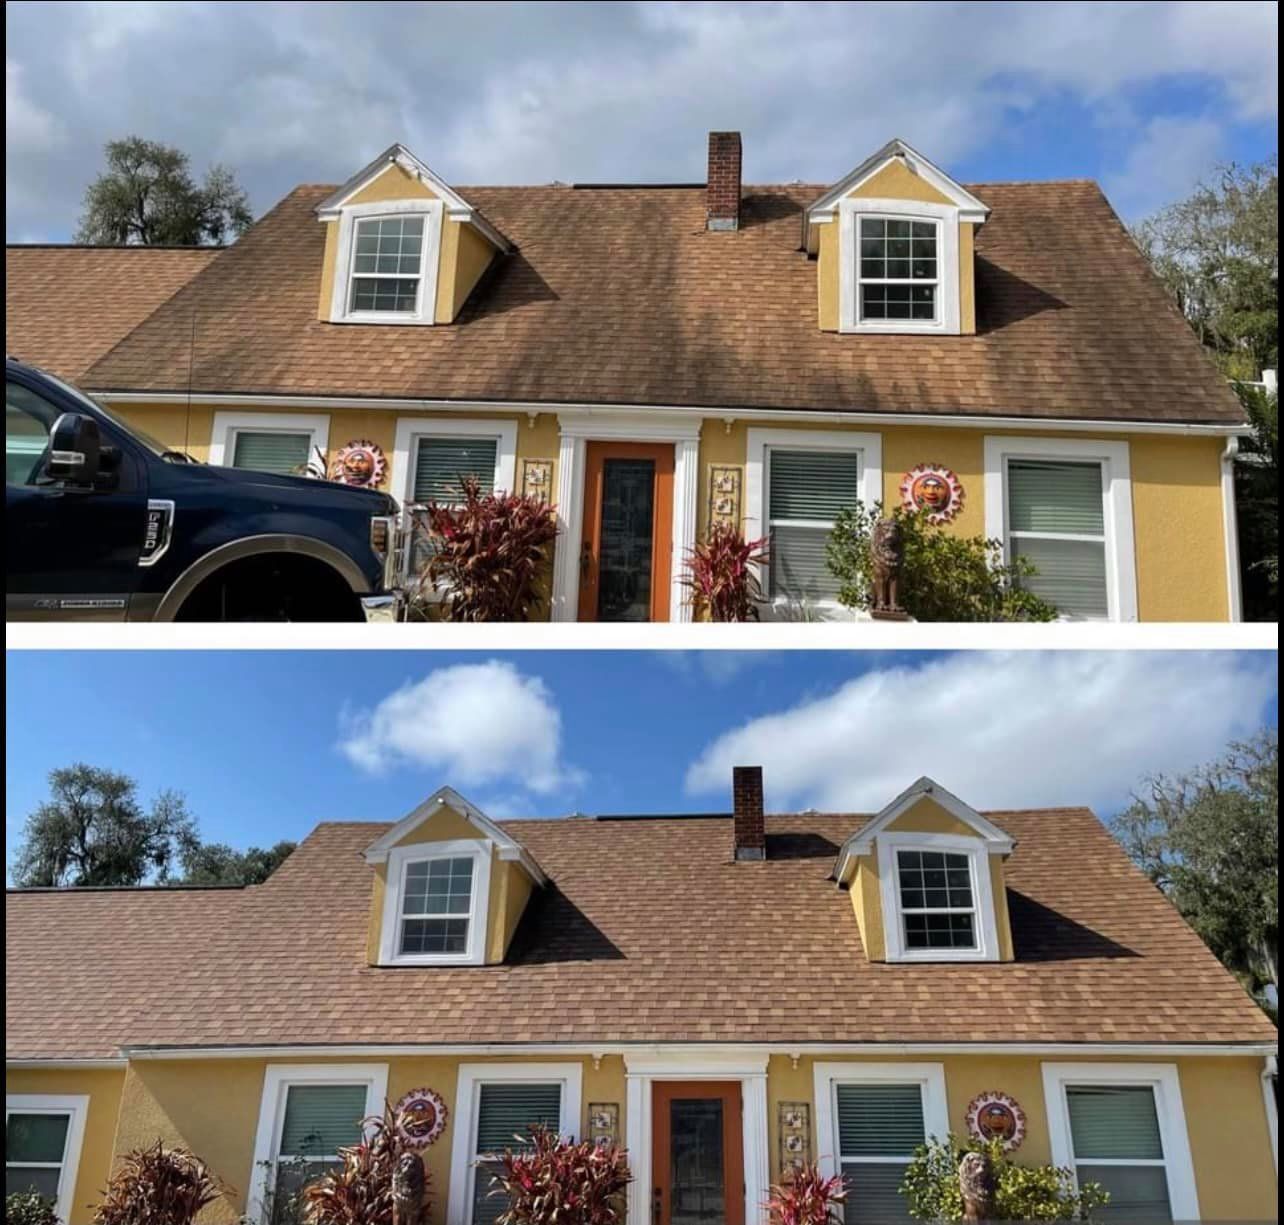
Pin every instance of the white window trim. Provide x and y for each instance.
(228, 425)
(472, 1076)
(1270, 1070)
(1121, 560)
(986, 927)
(411, 429)
(76, 1106)
(1165, 1082)
(429, 266)
(758, 447)
(948, 314)
(930, 1078)
(277, 1079)
(399, 858)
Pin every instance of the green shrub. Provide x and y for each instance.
(945, 577)
(1022, 1193)
(29, 1208)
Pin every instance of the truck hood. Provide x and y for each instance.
(304, 489)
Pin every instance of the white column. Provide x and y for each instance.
(570, 520)
(637, 1136)
(686, 493)
(757, 1162)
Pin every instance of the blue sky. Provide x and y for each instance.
(1145, 97)
(266, 744)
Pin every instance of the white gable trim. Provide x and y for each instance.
(861, 843)
(970, 208)
(457, 208)
(508, 848)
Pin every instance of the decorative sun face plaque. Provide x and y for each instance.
(933, 489)
(996, 1116)
(421, 1117)
(361, 463)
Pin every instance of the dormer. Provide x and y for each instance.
(401, 246)
(893, 242)
(449, 887)
(926, 880)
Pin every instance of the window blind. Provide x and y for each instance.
(441, 462)
(796, 564)
(813, 484)
(873, 1193)
(263, 452)
(1119, 1123)
(321, 1119)
(883, 1123)
(1071, 574)
(504, 1112)
(1048, 496)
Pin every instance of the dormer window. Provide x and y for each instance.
(938, 906)
(899, 272)
(435, 904)
(387, 263)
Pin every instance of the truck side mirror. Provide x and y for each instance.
(74, 449)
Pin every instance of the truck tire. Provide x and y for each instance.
(272, 587)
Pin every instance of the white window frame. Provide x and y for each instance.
(985, 925)
(277, 1080)
(826, 1078)
(399, 859)
(463, 1152)
(76, 1107)
(758, 447)
(227, 426)
(1116, 479)
(1165, 1082)
(433, 212)
(946, 216)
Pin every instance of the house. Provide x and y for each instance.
(656, 358)
(723, 994)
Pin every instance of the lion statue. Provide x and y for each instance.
(887, 553)
(976, 1183)
(408, 1190)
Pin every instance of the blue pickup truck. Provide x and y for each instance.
(106, 524)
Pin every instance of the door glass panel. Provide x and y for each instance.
(624, 566)
(697, 1195)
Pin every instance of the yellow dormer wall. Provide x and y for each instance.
(868, 904)
(465, 254)
(895, 181)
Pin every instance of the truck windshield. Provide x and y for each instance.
(157, 448)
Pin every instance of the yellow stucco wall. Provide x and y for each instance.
(967, 278)
(868, 905)
(896, 181)
(928, 817)
(103, 1088)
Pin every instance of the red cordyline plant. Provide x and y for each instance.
(157, 1186)
(359, 1191)
(806, 1197)
(722, 574)
(488, 552)
(562, 1181)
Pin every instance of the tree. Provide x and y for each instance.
(147, 197)
(216, 863)
(93, 831)
(1257, 501)
(1210, 840)
(1218, 253)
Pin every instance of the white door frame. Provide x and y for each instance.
(579, 429)
(641, 1073)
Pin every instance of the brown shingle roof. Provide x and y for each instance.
(650, 932)
(66, 306)
(620, 295)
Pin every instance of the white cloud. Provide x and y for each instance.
(472, 724)
(999, 730)
(1171, 156)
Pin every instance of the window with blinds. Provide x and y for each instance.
(319, 1121)
(1056, 521)
(806, 490)
(441, 463)
(879, 1127)
(271, 451)
(1114, 1132)
(506, 1112)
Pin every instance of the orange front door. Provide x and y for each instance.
(697, 1153)
(627, 543)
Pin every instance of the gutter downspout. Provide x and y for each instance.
(1230, 530)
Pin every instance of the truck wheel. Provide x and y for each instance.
(272, 587)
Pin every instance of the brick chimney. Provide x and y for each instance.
(722, 194)
(750, 833)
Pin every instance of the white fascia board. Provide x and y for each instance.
(447, 797)
(725, 413)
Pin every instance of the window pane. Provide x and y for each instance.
(1048, 496)
(1072, 574)
(321, 1119)
(26, 435)
(796, 564)
(291, 1177)
(439, 886)
(441, 462)
(812, 484)
(505, 1111)
(44, 1182)
(939, 931)
(873, 1193)
(284, 454)
(1114, 1121)
(1137, 1193)
(371, 294)
(434, 936)
(36, 1137)
(934, 878)
(879, 1120)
